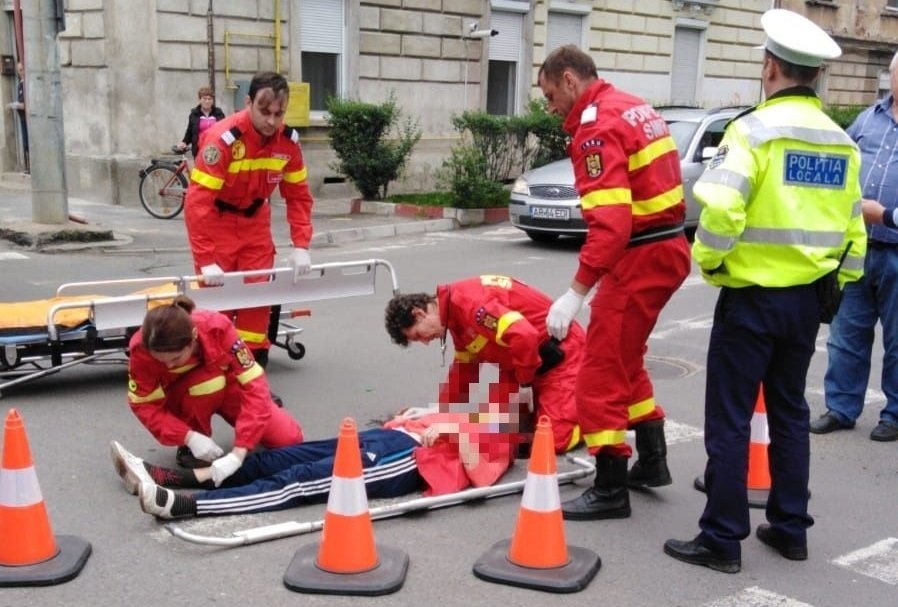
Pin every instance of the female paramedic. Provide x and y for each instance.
(187, 364)
(446, 452)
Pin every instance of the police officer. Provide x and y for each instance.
(781, 204)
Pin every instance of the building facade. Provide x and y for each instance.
(130, 70)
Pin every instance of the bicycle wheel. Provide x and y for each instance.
(162, 190)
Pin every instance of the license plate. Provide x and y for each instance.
(557, 213)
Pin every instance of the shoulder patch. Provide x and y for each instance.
(211, 155)
(241, 353)
(589, 114)
(719, 157)
(486, 320)
(292, 133)
(594, 164)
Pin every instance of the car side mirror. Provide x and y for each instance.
(708, 153)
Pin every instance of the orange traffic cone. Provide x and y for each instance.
(30, 555)
(347, 561)
(537, 556)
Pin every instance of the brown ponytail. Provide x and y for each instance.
(169, 328)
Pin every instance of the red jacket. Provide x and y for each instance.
(222, 354)
(627, 173)
(235, 167)
(493, 319)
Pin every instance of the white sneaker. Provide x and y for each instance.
(129, 467)
(150, 496)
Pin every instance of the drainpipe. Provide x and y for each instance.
(210, 46)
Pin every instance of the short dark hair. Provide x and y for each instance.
(567, 57)
(205, 91)
(802, 74)
(399, 314)
(268, 80)
(169, 328)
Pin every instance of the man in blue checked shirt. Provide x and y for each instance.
(875, 296)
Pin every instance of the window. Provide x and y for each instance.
(505, 58)
(710, 138)
(893, 4)
(686, 62)
(563, 28)
(885, 85)
(321, 49)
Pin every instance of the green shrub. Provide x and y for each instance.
(551, 140)
(844, 115)
(428, 199)
(464, 173)
(359, 135)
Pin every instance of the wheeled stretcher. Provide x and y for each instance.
(92, 322)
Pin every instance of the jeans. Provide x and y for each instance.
(850, 344)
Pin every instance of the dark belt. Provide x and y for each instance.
(227, 207)
(655, 234)
(882, 246)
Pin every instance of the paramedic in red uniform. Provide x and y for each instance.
(186, 365)
(627, 173)
(227, 211)
(501, 320)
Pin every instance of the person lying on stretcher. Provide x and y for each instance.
(419, 448)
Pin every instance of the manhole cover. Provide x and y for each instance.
(662, 367)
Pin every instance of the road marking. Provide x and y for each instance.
(695, 323)
(871, 396)
(12, 255)
(879, 561)
(756, 597)
(675, 432)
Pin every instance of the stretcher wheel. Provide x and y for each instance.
(295, 350)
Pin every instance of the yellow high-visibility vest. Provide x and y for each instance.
(781, 200)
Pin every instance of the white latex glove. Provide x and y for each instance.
(416, 412)
(525, 397)
(224, 467)
(203, 447)
(562, 313)
(212, 274)
(300, 261)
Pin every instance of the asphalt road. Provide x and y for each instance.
(351, 368)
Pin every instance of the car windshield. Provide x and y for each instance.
(682, 131)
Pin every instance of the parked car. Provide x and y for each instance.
(544, 202)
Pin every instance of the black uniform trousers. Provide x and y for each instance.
(760, 336)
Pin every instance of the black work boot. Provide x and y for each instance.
(650, 470)
(607, 498)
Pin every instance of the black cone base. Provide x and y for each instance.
(757, 498)
(494, 566)
(303, 575)
(65, 566)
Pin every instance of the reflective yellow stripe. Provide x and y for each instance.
(250, 374)
(658, 203)
(641, 408)
(257, 164)
(156, 394)
(183, 368)
(652, 151)
(505, 321)
(495, 280)
(206, 180)
(599, 198)
(210, 386)
(477, 344)
(251, 337)
(605, 438)
(296, 176)
(464, 357)
(575, 438)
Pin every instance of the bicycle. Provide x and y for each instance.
(163, 186)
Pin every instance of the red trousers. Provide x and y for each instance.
(614, 391)
(196, 410)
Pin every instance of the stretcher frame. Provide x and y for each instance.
(278, 531)
(113, 319)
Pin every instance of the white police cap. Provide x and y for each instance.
(797, 39)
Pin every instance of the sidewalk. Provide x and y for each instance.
(126, 229)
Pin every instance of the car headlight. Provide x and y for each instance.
(520, 187)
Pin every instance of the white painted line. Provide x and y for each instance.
(756, 597)
(695, 323)
(675, 432)
(12, 255)
(879, 561)
(871, 396)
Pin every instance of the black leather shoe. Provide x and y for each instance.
(827, 423)
(694, 553)
(884, 431)
(596, 505)
(186, 459)
(770, 536)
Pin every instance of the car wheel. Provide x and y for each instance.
(541, 236)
